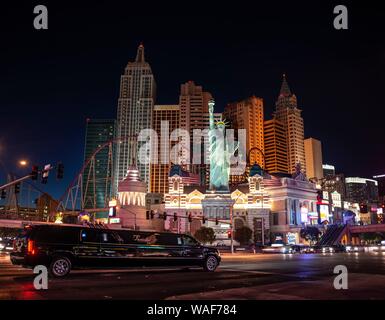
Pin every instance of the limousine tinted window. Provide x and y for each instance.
(150, 238)
(168, 239)
(111, 237)
(128, 236)
(55, 234)
(189, 241)
(90, 235)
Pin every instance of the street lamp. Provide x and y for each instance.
(232, 223)
(23, 163)
(232, 228)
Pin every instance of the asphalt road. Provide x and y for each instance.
(299, 276)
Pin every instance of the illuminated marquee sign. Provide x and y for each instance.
(112, 203)
(291, 238)
(324, 213)
(325, 195)
(336, 198)
(115, 220)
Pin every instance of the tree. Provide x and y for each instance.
(310, 234)
(243, 235)
(372, 238)
(205, 235)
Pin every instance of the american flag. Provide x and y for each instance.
(191, 179)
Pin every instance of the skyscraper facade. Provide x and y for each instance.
(135, 108)
(328, 170)
(313, 157)
(100, 169)
(169, 115)
(381, 185)
(248, 114)
(275, 146)
(194, 114)
(289, 114)
(361, 190)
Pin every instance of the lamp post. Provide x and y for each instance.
(232, 224)
(232, 228)
(23, 163)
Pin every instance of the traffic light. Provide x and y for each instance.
(175, 217)
(216, 221)
(189, 217)
(164, 215)
(3, 194)
(45, 173)
(229, 234)
(203, 220)
(147, 215)
(60, 171)
(34, 172)
(17, 188)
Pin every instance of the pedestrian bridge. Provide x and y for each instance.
(366, 229)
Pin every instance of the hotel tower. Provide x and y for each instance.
(135, 110)
(289, 115)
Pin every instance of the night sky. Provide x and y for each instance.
(52, 80)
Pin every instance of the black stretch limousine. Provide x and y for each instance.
(62, 248)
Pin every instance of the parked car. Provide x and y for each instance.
(62, 248)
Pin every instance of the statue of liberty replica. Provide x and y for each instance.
(220, 154)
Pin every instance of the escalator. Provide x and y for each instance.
(332, 236)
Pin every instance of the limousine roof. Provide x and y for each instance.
(66, 226)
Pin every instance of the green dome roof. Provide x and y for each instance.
(256, 169)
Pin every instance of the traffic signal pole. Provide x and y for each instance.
(12, 183)
(29, 176)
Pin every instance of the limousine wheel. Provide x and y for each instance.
(211, 263)
(60, 266)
